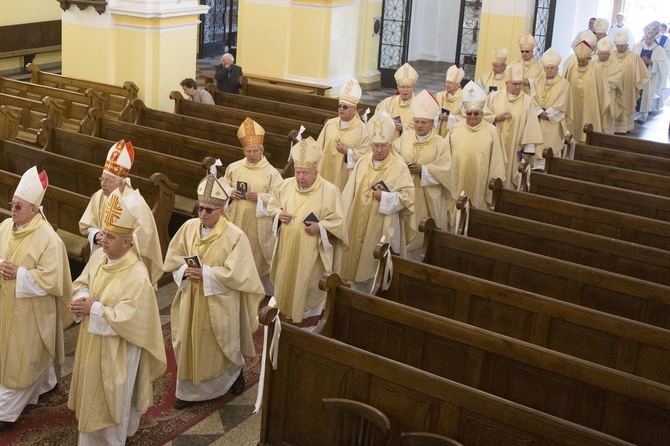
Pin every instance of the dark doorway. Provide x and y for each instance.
(396, 15)
(218, 30)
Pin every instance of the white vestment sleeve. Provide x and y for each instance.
(261, 208)
(324, 238)
(97, 323)
(178, 276)
(351, 161)
(554, 115)
(91, 238)
(390, 203)
(81, 292)
(529, 149)
(427, 179)
(210, 285)
(26, 285)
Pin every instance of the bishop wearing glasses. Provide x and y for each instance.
(343, 140)
(213, 314)
(532, 68)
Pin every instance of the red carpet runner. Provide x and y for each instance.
(51, 423)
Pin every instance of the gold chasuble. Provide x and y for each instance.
(590, 99)
(531, 70)
(395, 109)
(260, 178)
(477, 155)
(209, 331)
(613, 72)
(32, 327)
(453, 104)
(489, 80)
(634, 77)
(333, 164)
(365, 224)
(554, 96)
(147, 234)
(100, 364)
(429, 201)
(522, 128)
(300, 259)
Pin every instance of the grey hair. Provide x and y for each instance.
(228, 56)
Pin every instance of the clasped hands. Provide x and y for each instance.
(8, 270)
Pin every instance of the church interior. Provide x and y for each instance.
(559, 314)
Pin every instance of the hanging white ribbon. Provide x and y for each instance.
(274, 351)
(388, 270)
(364, 118)
(466, 210)
(213, 168)
(298, 138)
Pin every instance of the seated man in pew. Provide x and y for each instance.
(378, 202)
(308, 223)
(248, 182)
(194, 93)
(477, 154)
(228, 75)
(115, 176)
(35, 287)
(343, 140)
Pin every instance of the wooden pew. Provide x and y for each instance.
(622, 159)
(83, 178)
(598, 195)
(277, 147)
(270, 123)
(616, 294)
(605, 253)
(27, 40)
(607, 175)
(31, 113)
(9, 123)
(311, 367)
(283, 85)
(615, 403)
(308, 100)
(76, 105)
(268, 107)
(115, 99)
(612, 341)
(63, 209)
(626, 143)
(632, 228)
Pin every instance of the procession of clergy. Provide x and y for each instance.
(256, 234)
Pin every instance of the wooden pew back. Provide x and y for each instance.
(31, 113)
(607, 197)
(610, 176)
(312, 367)
(615, 342)
(575, 390)
(618, 142)
(625, 160)
(604, 291)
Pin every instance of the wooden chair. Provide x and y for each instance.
(360, 424)
(426, 439)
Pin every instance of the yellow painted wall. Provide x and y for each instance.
(263, 39)
(369, 55)
(86, 53)
(309, 43)
(14, 12)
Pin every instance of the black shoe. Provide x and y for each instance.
(238, 386)
(6, 425)
(181, 404)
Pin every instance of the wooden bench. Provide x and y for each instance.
(311, 367)
(626, 143)
(277, 147)
(63, 209)
(605, 222)
(623, 159)
(268, 107)
(270, 123)
(115, 99)
(27, 40)
(607, 175)
(598, 195)
(283, 85)
(615, 342)
(308, 100)
(605, 253)
(186, 174)
(83, 178)
(30, 115)
(611, 293)
(615, 403)
(75, 105)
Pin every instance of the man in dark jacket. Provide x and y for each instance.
(228, 75)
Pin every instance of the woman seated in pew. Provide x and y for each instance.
(194, 93)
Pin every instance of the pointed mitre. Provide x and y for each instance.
(527, 41)
(381, 127)
(210, 191)
(651, 30)
(620, 37)
(120, 159)
(306, 153)
(425, 106)
(250, 133)
(500, 56)
(351, 93)
(455, 74)
(406, 75)
(32, 186)
(601, 26)
(514, 72)
(473, 96)
(551, 57)
(605, 45)
(118, 216)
